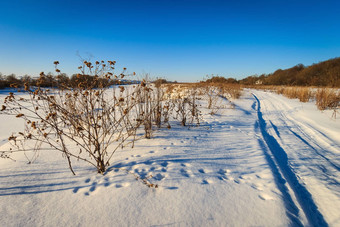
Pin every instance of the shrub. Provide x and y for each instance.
(327, 98)
(85, 122)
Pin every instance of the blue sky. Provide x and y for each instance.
(178, 40)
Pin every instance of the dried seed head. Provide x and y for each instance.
(33, 125)
(12, 138)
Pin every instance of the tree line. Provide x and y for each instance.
(50, 80)
(325, 74)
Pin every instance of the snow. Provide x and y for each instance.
(269, 161)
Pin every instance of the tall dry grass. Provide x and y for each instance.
(327, 98)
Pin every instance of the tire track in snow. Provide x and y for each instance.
(313, 143)
(320, 149)
(278, 160)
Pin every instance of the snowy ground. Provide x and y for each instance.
(270, 161)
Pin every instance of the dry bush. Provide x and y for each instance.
(157, 107)
(186, 111)
(212, 94)
(327, 98)
(233, 91)
(85, 123)
(304, 94)
(180, 103)
(144, 107)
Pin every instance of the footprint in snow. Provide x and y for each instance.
(164, 164)
(93, 188)
(75, 190)
(122, 185)
(265, 197)
(185, 164)
(201, 171)
(237, 181)
(185, 173)
(149, 162)
(205, 182)
(87, 180)
(221, 178)
(159, 177)
(223, 172)
(107, 182)
(257, 187)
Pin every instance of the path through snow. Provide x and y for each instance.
(304, 152)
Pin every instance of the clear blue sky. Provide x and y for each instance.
(179, 40)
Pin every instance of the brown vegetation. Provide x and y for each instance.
(89, 121)
(326, 73)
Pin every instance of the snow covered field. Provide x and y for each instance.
(270, 161)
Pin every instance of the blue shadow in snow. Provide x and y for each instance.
(315, 218)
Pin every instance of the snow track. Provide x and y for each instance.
(302, 153)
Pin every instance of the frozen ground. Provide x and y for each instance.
(270, 161)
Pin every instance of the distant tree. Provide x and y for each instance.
(26, 79)
(250, 80)
(159, 81)
(231, 81)
(326, 73)
(62, 80)
(2, 81)
(221, 79)
(12, 80)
